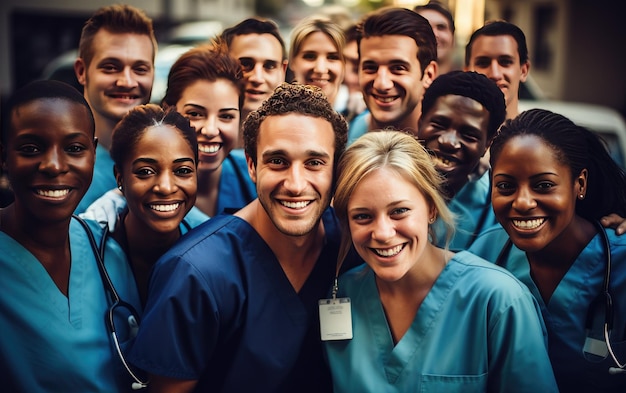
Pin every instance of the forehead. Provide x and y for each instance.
(50, 118)
(204, 92)
(389, 48)
(537, 155)
(495, 46)
(128, 47)
(162, 138)
(294, 132)
(260, 47)
(318, 39)
(435, 18)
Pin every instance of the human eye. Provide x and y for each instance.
(193, 115)
(505, 61)
(29, 149)
(316, 163)
(544, 186)
(144, 172)
(227, 116)
(184, 171)
(309, 56)
(247, 64)
(369, 68)
(481, 62)
(142, 69)
(334, 56)
(109, 68)
(75, 148)
(399, 212)
(504, 187)
(270, 65)
(398, 68)
(360, 217)
(276, 162)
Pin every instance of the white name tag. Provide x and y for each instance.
(335, 319)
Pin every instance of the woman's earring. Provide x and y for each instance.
(431, 220)
(581, 196)
(119, 187)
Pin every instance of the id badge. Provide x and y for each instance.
(335, 319)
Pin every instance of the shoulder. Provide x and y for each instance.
(485, 276)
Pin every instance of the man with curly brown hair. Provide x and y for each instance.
(233, 306)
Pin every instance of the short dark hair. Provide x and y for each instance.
(254, 26)
(577, 148)
(116, 19)
(41, 89)
(295, 98)
(401, 21)
(135, 123)
(496, 28)
(473, 85)
(438, 7)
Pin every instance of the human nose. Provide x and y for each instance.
(296, 181)
(383, 80)
(493, 71)
(524, 200)
(257, 73)
(210, 128)
(126, 78)
(165, 184)
(383, 229)
(320, 66)
(449, 139)
(53, 163)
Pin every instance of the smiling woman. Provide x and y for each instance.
(156, 156)
(316, 54)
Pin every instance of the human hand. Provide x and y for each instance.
(614, 221)
(106, 209)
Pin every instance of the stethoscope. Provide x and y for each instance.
(604, 299)
(116, 302)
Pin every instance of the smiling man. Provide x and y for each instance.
(240, 292)
(462, 112)
(397, 63)
(115, 65)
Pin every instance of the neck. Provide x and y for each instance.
(407, 124)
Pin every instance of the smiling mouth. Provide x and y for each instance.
(53, 193)
(528, 224)
(385, 100)
(165, 208)
(389, 252)
(209, 148)
(295, 205)
(442, 161)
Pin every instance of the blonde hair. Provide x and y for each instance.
(393, 150)
(312, 24)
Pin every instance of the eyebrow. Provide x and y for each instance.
(149, 160)
(281, 152)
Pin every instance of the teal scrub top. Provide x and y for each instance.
(478, 330)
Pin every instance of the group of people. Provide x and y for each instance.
(247, 235)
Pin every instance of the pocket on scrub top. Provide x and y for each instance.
(432, 383)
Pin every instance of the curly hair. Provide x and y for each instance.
(294, 98)
(472, 85)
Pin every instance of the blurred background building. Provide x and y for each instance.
(576, 46)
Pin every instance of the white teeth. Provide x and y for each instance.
(385, 99)
(53, 193)
(444, 162)
(389, 252)
(165, 208)
(209, 148)
(528, 224)
(295, 205)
